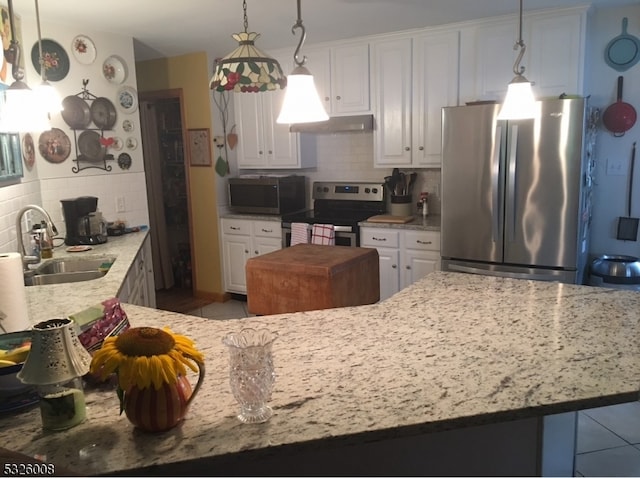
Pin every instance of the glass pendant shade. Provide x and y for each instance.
(301, 102)
(48, 98)
(519, 102)
(20, 111)
(247, 69)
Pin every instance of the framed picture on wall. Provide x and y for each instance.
(6, 77)
(199, 147)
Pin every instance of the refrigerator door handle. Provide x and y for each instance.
(495, 185)
(511, 181)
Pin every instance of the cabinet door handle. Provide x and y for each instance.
(421, 148)
(256, 252)
(394, 266)
(270, 152)
(260, 152)
(246, 251)
(266, 230)
(338, 97)
(326, 98)
(408, 268)
(407, 148)
(426, 243)
(234, 228)
(382, 239)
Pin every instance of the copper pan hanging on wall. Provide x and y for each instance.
(620, 116)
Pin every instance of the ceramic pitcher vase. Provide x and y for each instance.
(251, 372)
(160, 410)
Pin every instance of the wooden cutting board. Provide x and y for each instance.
(391, 219)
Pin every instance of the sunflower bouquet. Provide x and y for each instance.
(148, 360)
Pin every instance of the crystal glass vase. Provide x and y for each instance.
(251, 372)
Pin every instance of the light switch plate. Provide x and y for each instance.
(616, 167)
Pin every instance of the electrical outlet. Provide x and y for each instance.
(616, 167)
(120, 205)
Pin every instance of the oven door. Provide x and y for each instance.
(345, 235)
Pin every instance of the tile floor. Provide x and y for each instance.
(608, 437)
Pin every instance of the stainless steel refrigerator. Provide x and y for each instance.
(516, 195)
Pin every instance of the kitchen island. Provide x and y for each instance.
(457, 374)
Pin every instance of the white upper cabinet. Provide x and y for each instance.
(435, 85)
(413, 78)
(341, 75)
(553, 61)
(263, 143)
(556, 56)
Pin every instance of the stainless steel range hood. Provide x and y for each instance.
(336, 124)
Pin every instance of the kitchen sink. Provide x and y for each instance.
(61, 271)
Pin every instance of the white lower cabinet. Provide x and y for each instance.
(138, 287)
(405, 255)
(241, 240)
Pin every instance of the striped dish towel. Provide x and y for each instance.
(299, 233)
(323, 234)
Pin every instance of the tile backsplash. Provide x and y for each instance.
(349, 156)
(48, 193)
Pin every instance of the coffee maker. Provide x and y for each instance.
(83, 221)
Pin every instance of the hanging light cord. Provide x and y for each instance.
(517, 69)
(43, 72)
(246, 19)
(298, 24)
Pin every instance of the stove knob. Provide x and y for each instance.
(375, 190)
(325, 189)
(367, 190)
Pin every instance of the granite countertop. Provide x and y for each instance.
(252, 217)
(452, 350)
(429, 223)
(47, 301)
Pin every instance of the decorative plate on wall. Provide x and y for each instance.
(127, 126)
(54, 145)
(127, 99)
(56, 60)
(91, 149)
(124, 161)
(103, 113)
(28, 150)
(131, 143)
(76, 112)
(117, 144)
(114, 69)
(83, 49)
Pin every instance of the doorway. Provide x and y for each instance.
(167, 178)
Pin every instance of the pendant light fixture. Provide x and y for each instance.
(247, 69)
(301, 102)
(519, 102)
(20, 108)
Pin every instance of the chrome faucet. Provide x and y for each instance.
(51, 230)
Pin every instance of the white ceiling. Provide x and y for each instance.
(164, 28)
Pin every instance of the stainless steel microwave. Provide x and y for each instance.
(267, 194)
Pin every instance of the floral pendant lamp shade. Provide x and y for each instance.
(247, 69)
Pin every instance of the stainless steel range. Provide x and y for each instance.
(342, 204)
